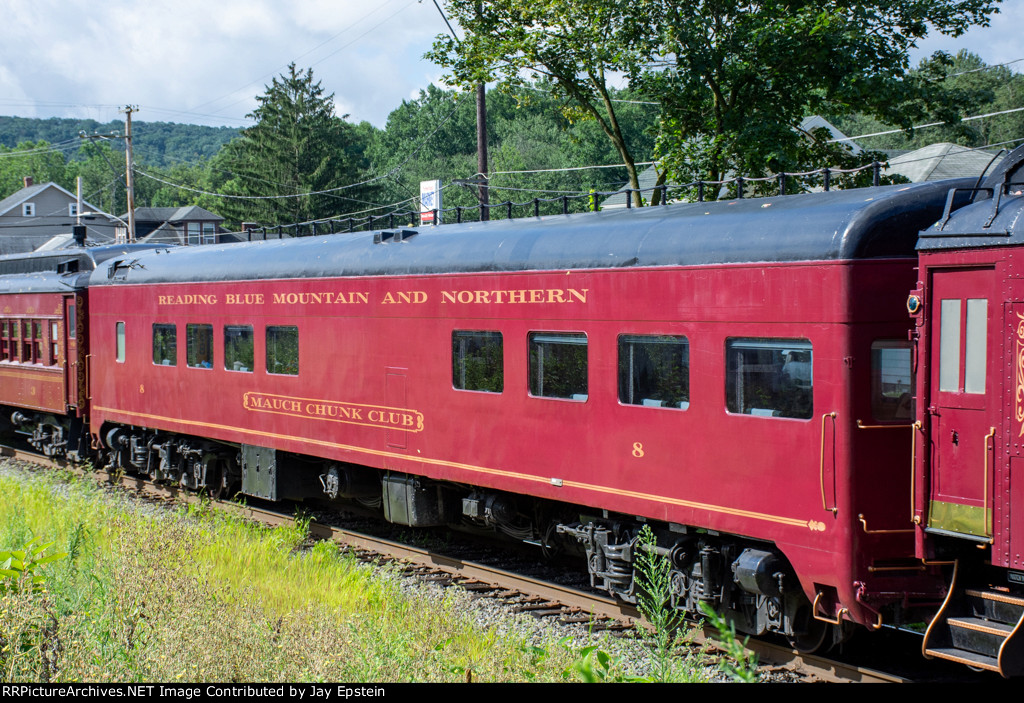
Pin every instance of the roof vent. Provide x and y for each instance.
(382, 237)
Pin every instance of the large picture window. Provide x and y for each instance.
(283, 350)
(769, 377)
(558, 365)
(165, 345)
(477, 361)
(200, 346)
(654, 371)
(238, 348)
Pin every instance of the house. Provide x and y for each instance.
(190, 224)
(35, 214)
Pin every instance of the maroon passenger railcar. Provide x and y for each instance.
(733, 374)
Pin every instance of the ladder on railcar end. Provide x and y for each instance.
(980, 627)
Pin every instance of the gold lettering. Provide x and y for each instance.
(517, 296)
(536, 296)
(580, 295)
(555, 296)
(387, 298)
(447, 296)
(483, 296)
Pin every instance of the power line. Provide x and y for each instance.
(930, 124)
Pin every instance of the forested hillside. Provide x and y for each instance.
(159, 143)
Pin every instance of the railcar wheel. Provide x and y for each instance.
(214, 476)
(811, 633)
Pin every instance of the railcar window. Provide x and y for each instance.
(558, 365)
(54, 342)
(199, 340)
(283, 350)
(72, 322)
(977, 339)
(769, 377)
(37, 342)
(26, 341)
(120, 341)
(165, 345)
(949, 345)
(892, 381)
(238, 348)
(3, 341)
(477, 361)
(654, 371)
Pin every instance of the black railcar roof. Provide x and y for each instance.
(992, 220)
(839, 225)
(59, 271)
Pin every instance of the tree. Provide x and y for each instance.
(733, 78)
(978, 89)
(298, 146)
(35, 159)
(566, 45)
(736, 77)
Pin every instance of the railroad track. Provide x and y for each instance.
(527, 594)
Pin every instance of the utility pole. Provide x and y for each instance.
(482, 193)
(481, 149)
(130, 175)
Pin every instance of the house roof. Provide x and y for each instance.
(25, 194)
(943, 160)
(192, 213)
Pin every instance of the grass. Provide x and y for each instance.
(197, 596)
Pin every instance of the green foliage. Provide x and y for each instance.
(297, 146)
(974, 89)
(739, 663)
(735, 78)
(569, 48)
(18, 567)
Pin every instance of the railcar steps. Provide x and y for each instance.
(979, 627)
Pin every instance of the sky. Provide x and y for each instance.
(204, 61)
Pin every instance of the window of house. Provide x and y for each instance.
(209, 233)
(654, 371)
(238, 348)
(199, 340)
(477, 361)
(120, 342)
(28, 209)
(558, 365)
(283, 350)
(892, 381)
(72, 209)
(193, 233)
(769, 377)
(165, 345)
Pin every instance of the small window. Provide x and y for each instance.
(238, 348)
(283, 350)
(892, 381)
(54, 342)
(477, 361)
(193, 232)
(558, 365)
(165, 345)
(71, 322)
(654, 371)
(209, 233)
(200, 346)
(28, 209)
(120, 342)
(72, 209)
(769, 377)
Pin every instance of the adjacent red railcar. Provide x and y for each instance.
(715, 370)
(969, 478)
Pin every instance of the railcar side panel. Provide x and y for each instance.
(374, 386)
